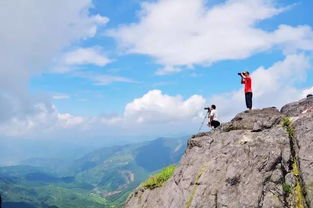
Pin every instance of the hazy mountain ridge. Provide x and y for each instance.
(102, 178)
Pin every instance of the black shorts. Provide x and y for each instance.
(249, 96)
(215, 123)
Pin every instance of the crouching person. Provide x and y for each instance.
(213, 120)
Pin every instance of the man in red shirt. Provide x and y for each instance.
(247, 81)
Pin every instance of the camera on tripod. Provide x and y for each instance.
(208, 109)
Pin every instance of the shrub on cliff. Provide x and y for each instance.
(160, 178)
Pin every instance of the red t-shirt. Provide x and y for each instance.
(248, 84)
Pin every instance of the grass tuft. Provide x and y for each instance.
(160, 178)
(287, 188)
(195, 187)
(298, 194)
(287, 124)
(297, 190)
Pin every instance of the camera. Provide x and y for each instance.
(208, 109)
(240, 73)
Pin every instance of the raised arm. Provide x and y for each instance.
(243, 78)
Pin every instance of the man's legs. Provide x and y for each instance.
(248, 96)
(215, 123)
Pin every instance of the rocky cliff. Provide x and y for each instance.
(261, 158)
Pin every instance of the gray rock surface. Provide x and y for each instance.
(255, 120)
(248, 162)
(304, 140)
(296, 108)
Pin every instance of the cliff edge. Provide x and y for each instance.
(261, 158)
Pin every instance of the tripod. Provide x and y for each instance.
(206, 115)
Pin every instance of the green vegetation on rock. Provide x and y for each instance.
(298, 194)
(287, 124)
(287, 188)
(160, 178)
(195, 187)
(297, 191)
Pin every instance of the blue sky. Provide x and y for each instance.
(147, 67)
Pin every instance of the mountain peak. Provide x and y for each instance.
(261, 158)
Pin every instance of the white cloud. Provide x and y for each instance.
(100, 19)
(72, 60)
(44, 119)
(146, 115)
(156, 107)
(226, 31)
(107, 79)
(86, 56)
(307, 91)
(33, 33)
(274, 86)
(100, 79)
(168, 70)
(60, 96)
(31, 40)
(68, 120)
(294, 38)
(41, 118)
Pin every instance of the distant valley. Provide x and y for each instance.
(102, 178)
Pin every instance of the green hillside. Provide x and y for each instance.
(103, 178)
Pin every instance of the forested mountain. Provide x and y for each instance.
(102, 178)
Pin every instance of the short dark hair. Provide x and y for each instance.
(247, 72)
(213, 106)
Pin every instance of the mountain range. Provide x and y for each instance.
(101, 178)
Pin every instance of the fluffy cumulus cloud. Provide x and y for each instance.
(144, 115)
(31, 37)
(72, 60)
(43, 120)
(274, 86)
(157, 107)
(156, 111)
(203, 35)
